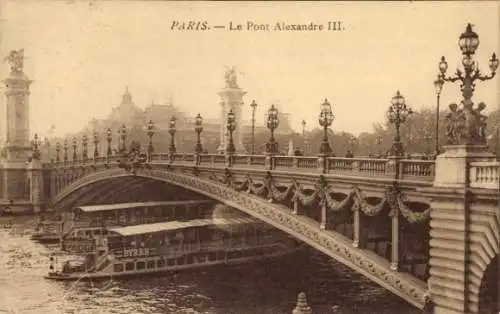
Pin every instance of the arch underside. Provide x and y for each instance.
(123, 190)
(305, 229)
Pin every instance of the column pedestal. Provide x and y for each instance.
(461, 230)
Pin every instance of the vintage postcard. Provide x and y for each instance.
(245, 157)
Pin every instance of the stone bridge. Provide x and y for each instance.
(428, 231)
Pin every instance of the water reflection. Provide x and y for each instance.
(267, 287)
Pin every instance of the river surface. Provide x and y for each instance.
(261, 288)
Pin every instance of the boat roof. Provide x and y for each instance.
(109, 207)
(175, 225)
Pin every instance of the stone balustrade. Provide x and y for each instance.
(482, 174)
(485, 174)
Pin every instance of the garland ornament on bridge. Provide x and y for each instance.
(466, 124)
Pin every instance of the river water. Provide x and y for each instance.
(263, 287)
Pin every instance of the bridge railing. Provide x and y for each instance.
(482, 174)
(485, 174)
(420, 170)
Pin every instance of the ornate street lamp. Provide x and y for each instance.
(150, 132)
(438, 86)
(253, 105)
(75, 157)
(326, 118)
(172, 130)
(272, 123)
(470, 131)
(231, 126)
(65, 147)
(306, 142)
(47, 145)
(109, 138)
(427, 138)
(96, 145)
(123, 136)
(58, 150)
(379, 144)
(398, 114)
(85, 142)
(35, 143)
(198, 121)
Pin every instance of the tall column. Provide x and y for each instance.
(232, 97)
(17, 148)
(223, 117)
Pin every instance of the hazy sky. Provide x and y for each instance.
(82, 54)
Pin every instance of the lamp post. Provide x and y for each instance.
(306, 142)
(96, 145)
(352, 143)
(473, 132)
(326, 118)
(109, 138)
(398, 114)
(65, 147)
(379, 144)
(438, 86)
(35, 144)
(150, 132)
(85, 142)
(428, 137)
(46, 142)
(253, 105)
(198, 128)
(272, 124)
(58, 150)
(123, 136)
(171, 131)
(231, 126)
(75, 157)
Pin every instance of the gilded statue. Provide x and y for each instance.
(16, 60)
(230, 77)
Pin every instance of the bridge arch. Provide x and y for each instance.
(339, 248)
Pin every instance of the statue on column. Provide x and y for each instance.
(16, 60)
(230, 77)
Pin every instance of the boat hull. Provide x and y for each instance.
(48, 239)
(167, 269)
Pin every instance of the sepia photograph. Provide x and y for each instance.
(249, 157)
